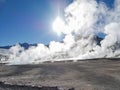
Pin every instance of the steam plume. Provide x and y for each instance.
(84, 19)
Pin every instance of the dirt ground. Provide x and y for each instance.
(102, 74)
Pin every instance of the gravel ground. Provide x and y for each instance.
(102, 74)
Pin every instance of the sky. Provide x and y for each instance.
(31, 21)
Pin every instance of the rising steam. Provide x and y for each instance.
(83, 20)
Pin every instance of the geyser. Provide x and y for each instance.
(83, 19)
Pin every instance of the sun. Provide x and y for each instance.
(58, 25)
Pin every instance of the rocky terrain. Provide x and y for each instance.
(97, 74)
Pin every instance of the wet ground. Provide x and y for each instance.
(102, 74)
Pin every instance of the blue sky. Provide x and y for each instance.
(30, 20)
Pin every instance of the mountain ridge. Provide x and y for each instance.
(27, 45)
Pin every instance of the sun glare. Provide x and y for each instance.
(58, 25)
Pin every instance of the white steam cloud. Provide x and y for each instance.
(83, 19)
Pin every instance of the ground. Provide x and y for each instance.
(102, 74)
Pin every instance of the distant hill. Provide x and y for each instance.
(26, 45)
